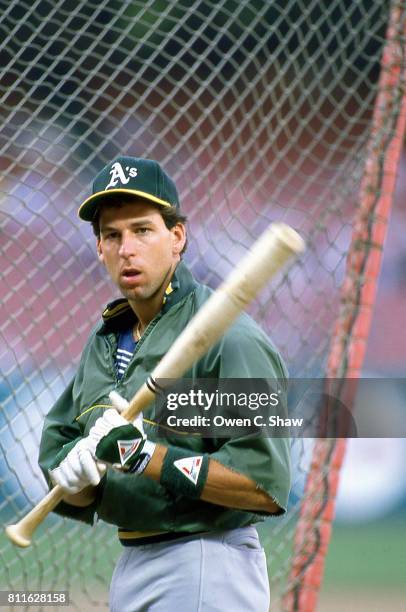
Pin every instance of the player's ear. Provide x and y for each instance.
(178, 238)
(99, 249)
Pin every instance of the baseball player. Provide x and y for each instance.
(185, 506)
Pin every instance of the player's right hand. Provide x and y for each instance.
(75, 466)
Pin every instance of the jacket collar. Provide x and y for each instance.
(118, 315)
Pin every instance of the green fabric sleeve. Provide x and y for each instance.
(266, 461)
(60, 428)
(246, 352)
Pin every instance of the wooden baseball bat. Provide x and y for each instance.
(269, 253)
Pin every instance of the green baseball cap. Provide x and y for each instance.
(143, 178)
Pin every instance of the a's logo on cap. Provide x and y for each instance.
(119, 174)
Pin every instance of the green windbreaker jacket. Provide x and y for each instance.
(135, 502)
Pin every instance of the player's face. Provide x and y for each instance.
(138, 250)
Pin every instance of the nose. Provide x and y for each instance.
(127, 246)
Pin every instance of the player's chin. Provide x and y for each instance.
(134, 293)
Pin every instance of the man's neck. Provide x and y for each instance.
(147, 310)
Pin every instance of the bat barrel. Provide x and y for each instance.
(271, 251)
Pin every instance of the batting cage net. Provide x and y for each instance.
(260, 111)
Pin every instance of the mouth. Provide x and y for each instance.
(130, 275)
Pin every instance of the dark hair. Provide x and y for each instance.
(169, 214)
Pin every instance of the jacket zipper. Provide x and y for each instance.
(146, 333)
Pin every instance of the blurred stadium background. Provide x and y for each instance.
(260, 111)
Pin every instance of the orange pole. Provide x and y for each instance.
(351, 332)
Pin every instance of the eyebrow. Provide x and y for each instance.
(139, 223)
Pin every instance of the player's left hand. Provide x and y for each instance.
(121, 444)
(74, 467)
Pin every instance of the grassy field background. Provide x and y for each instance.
(369, 555)
(366, 568)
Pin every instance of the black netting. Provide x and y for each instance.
(260, 111)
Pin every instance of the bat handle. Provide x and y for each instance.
(21, 533)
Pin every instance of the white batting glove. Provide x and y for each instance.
(122, 445)
(112, 418)
(78, 469)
